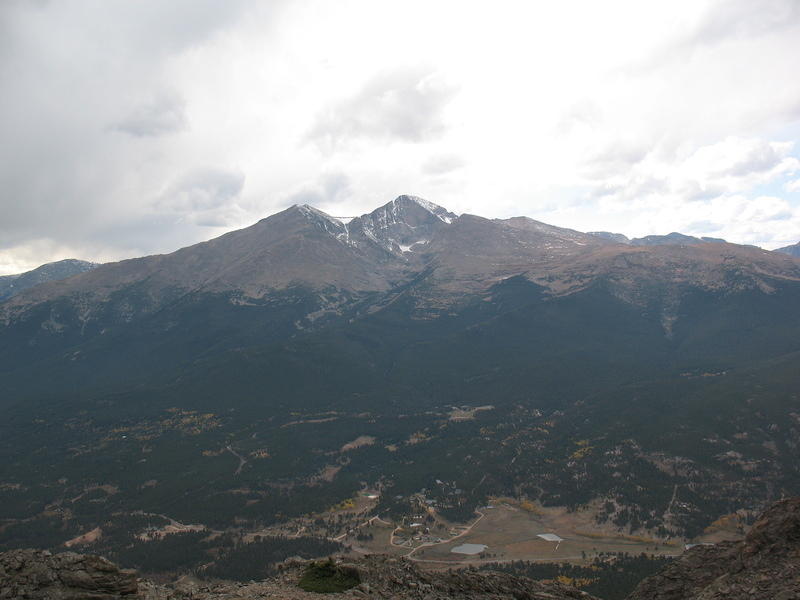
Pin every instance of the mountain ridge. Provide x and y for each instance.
(11, 285)
(383, 245)
(793, 250)
(376, 329)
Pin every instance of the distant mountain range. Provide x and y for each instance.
(276, 370)
(657, 240)
(793, 250)
(11, 285)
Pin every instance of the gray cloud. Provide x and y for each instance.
(618, 156)
(442, 163)
(329, 189)
(108, 108)
(204, 196)
(404, 104)
(726, 20)
(74, 76)
(164, 114)
(692, 191)
(744, 18)
(632, 188)
(761, 157)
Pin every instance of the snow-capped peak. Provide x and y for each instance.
(395, 226)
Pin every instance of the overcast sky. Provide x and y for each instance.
(137, 127)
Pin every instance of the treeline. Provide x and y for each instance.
(174, 552)
(224, 556)
(257, 560)
(41, 532)
(611, 576)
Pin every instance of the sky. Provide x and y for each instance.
(132, 128)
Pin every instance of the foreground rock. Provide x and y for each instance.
(386, 577)
(764, 566)
(38, 574)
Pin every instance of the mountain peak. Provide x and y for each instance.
(11, 285)
(400, 224)
(439, 211)
(315, 213)
(618, 238)
(317, 219)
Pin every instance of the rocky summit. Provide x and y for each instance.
(38, 574)
(69, 576)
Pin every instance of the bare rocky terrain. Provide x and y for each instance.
(765, 565)
(40, 575)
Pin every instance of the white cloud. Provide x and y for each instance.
(732, 166)
(636, 117)
(404, 104)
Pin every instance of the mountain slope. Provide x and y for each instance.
(11, 285)
(673, 238)
(764, 565)
(286, 341)
(793, 250)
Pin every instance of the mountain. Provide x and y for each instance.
(274, 372)
(793, 250)
(11, 285)
(673, 238)
(612, 237)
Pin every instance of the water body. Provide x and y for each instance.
(469, 548)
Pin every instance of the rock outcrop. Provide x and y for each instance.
(387, 577)
(764, 566)
(38, 574)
